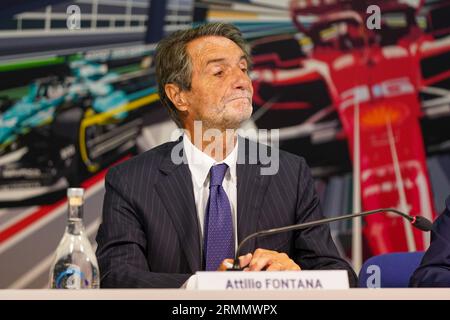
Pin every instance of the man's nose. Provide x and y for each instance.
(241, 80)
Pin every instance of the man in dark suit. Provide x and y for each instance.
(434, 269)
(185, 205)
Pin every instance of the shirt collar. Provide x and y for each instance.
(200, 163)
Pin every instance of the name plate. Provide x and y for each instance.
(275, 280)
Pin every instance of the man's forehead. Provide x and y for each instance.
(209, 48)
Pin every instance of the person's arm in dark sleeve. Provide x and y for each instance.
(122, 243)
(315, 248)
(434, 269)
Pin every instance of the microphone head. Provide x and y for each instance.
(422, 223)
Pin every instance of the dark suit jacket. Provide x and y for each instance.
(150, 235)
(434, 269)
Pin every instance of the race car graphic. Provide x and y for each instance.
(69, 126)
(291, 94)
(336, 65)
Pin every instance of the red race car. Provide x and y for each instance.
(311, 84)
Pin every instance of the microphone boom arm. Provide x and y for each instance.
(305, 225)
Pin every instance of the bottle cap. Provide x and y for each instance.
(75, 196)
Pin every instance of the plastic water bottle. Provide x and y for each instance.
(75, 265)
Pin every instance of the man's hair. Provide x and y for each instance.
(173, 64)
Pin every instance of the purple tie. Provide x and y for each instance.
(219, 240)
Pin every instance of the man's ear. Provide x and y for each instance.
(176, 95)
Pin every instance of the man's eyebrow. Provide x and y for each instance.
(215, 60)
(223, 59)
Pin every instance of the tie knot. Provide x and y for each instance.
(217, 173)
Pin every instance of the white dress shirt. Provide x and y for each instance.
(199, 165)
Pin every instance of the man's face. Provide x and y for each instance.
(221, 90)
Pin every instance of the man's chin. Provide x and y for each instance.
(230, 117)
(241, 108)
(235, 122)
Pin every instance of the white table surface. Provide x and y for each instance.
(179, 294)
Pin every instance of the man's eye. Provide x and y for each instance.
(218, 73)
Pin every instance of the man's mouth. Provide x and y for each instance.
(237, 98)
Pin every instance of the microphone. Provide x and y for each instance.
(419, 222)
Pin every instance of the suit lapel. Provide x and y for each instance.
(251, 189)
(177, 194)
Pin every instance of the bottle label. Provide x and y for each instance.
(72, 278)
